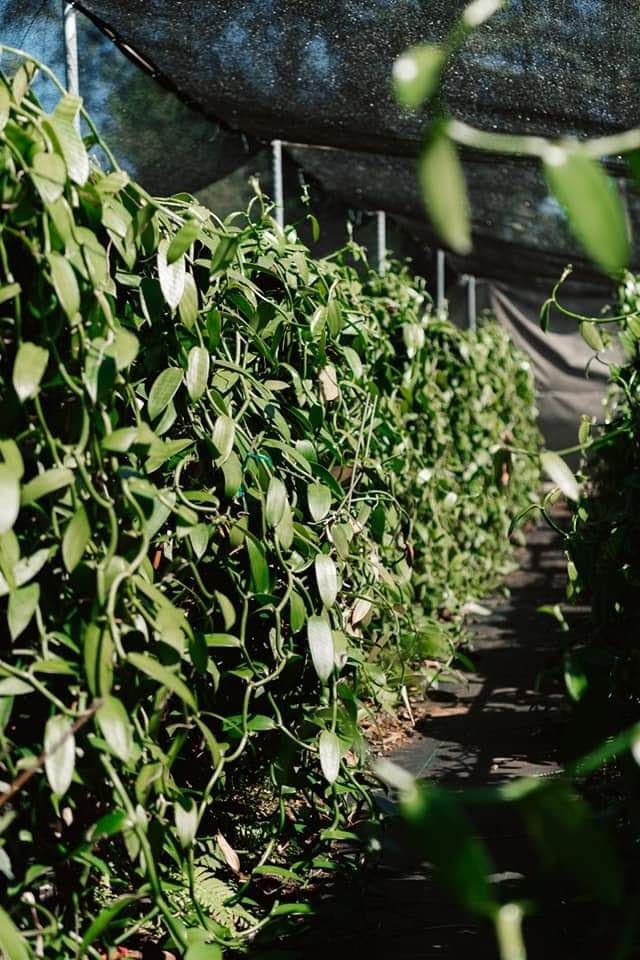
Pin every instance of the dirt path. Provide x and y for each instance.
(494, 726)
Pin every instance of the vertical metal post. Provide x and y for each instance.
(69, 20)
(278, 183)
(440, 279)
(381, 218)
(472, 310)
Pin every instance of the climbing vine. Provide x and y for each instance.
(234, 488)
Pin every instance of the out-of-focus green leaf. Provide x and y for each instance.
(444, 190)
(593, 204)
(416, 74)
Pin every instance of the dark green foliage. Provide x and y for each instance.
(234, 489)
(604, 537)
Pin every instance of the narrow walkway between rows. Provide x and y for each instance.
(503, 721)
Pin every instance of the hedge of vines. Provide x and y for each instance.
(243, 494)
(603, 669)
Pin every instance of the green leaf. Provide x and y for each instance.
(329, 746)
(49, 175)
(591, 335)
(9, 497)
(444, 190)
(593, 204)
(28, 369)
(45, 483)
(224, 432)
(25, 570)
(321, 646)
(232, 471)
(258, 566)
(9, 291)
(115, 725)
(444, 835)
(197, 376)
(22, 606)
(64, 283)
(188, 307)
(575, 678)
(60, 753)
(12, 944)
(203, 951)
(221, 640)
(186, 821)
(285, 531)
(171, 276)
(224, 253)
(326, 578)
(69, 142)
(156, 671)
(75, 540)
(416, 74)
(297, 612)
(5, 104)
(560, 474)
(164, 389)
(124, 348)
(104, 919)
(276, 500)
(182, 240)
(319, 500)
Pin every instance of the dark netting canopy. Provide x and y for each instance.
(318, 74)
(185, 90)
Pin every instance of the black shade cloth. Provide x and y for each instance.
(158, 139)
(318, 74)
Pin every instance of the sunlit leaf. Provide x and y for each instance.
(329, 747)
(560, 474)
(321, 646)
(115, 725)
(28, 369)
(326, 578)
(75, 540)
(416, 74)
(60, 753)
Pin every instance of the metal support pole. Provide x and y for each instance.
(278, 183)
(381, 218)
(440, 279)
(69, 20)
(472, 310)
